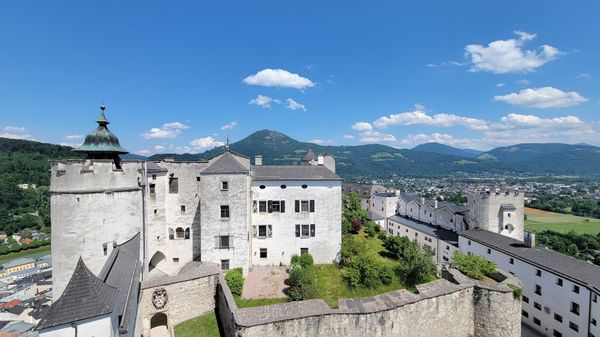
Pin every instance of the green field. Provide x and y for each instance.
(32, 253)
(538, 220)
(203, 326)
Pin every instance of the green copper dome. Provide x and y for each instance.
(101, 142)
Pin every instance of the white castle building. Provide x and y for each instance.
(223, 210)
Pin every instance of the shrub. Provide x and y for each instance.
(417, 266)
(517, 291)
(370, 231)
(356, 225)
(352, 246)
(386, 275)
(302, 283)
(382, 236)
(235, 281)
(363, 271)
(474, 266)
(306, 260)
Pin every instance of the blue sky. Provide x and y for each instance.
(178, 76)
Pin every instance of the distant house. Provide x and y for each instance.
(25, 241)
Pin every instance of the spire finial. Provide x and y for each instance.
(102, 119)
(227, 142)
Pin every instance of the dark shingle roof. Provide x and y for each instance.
(363, 190)
(294, 172)
(85, 296)
(227, 164)
(440, 233)
(570, 268)
(409, 196)
(310, 155)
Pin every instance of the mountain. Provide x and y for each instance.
(549, 158)
(434, 147)
(374, 161)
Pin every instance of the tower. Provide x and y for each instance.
(498, 211)
(96, 204)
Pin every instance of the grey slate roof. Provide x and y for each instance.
(293, 172)
(363, 190)
(122, 271)
(386, 194)
(154, 167)
(310, 155)
(574, 269)
(17, 262)
(86, 296)
(227, 164)
(439, 233)
(508, 207)
(454, 208)
(409, 196)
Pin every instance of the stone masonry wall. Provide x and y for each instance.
(441, 308)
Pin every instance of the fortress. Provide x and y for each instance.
(140, 246)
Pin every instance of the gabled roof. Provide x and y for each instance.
(363, 190)
(293, 172)
(309, 156)
(409, 196)
(86, 296)
(226, 164)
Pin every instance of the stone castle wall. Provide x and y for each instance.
(441, 308)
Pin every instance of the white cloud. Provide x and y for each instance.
(264, 101)
(362, 126)
(508, 56)
(205, 143)
(584, 76)
(159, 148)
(167, 131)
(419, 116)
(542, 98)
(229, 125)
(15, 132)
(376, 137)
(73, 137)
(500, 85)
(522, 82)
(442, 138)
(144, 152)
(348, 137)
(291, 104)
(321, 141)
(279, 78)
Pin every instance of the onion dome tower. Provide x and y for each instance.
(101, 143)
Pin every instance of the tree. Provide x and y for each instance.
(396, 245)
(417, 265)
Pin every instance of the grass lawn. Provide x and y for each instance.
(203, 326)
(258, 302)
(332, 285)
(538, 220)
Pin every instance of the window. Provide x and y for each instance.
(224, 211)
(305, 231)
(187, 233)
(574, 326)
(575, 308)
(276, 206)
(182, 208)
(283, 186)
(262, 206)
(224, 186)
(489, 251)
(264, 231)
(173, 185)
(595, 298)
(536, 321)
(301, 206)
(447, 247)
(524, 313)
(525, 299)
(469, 242)
(593, 321)
(171, 234)
(176, 260)
(538, 272)
(303, 251)
(155, 212)
(559, 282)
(538, 289)
(152, 189)
(262, 187)
(223, 242)
(537, 306)
(105, 248)
(556, 333)
(154, 177)
(511, 261)
(304, 186)
(224, 264)
(576, 289)
(198, 179)
(179, 233)
(558, 317)
(263, 253)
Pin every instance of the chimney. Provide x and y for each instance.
(422, 201)
(258, 160)
(320, 160)
(529, 239)
(435, 203)
(397, 192)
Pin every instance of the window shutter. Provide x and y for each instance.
(254, 231)
(297, 206)
(270, 206)
(312, 230)
(217, 242)
(269, 231)
(297, 231)
(282, 206)
(254, 206)
(312, 206)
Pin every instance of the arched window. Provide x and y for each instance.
(187, 233)
(171, 234)
(179, 233)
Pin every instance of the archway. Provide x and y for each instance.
(159, 325)
(156, 260)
